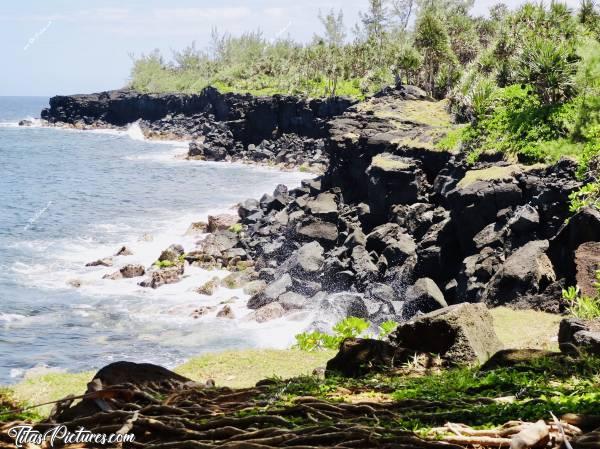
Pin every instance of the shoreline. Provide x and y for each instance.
(176, 237)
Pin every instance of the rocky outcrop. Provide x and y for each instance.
(399, 224)
(459, 334)
(283, 129)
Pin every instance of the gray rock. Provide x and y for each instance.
(171, 254)
(323, 206)
(526, 219)
(293, 301)
(461, 333)
(527, 271)
(338, 306)
(423, 296)
(267, 313)
(324, 232)
(310, 257)
(106, 262)
(132, 271)
(271, 293)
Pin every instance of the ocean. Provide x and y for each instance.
(70, 197)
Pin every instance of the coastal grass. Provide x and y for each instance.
(234, 369)
(239, 369)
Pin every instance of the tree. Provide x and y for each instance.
(550, 68)
(335, 33)
(402, 10)
(432, 40)
(375, 21)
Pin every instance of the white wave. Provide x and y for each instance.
(134, 131)
(10, 317)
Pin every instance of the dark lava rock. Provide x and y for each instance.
(576, 335)
(357, 357)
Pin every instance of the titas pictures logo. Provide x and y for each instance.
(60, 435)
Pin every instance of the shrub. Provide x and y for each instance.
(582, 306)
(587, 196)
(350, 327)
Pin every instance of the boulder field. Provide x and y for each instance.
(397, 225)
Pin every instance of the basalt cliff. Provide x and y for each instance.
(394, 226)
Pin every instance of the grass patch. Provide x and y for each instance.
(238, 369)
(389, 162)
(495, 173)
(50, 387)
(518, 329)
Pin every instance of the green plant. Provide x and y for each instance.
(350, 327)
(583, 306)
(163, 264)
(236, 228)
(586, 196)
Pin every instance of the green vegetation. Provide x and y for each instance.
(525, 82)
(583, 306)
(236, 228)
(530, 391)
(350, 327)
(8, 405)
(587, 196)
(163, 264)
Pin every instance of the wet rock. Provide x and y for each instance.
(339, 306)
(25, 123)
(221, 222)
(254, 287)
(209, 287)
(202, 311)
(271, 293)
(587, 261)
(171, 254)
(199, 227)
(310, 257)
(461, 333)
(107, 262)
(267, 313)
(527, 271)
(124, 251)
(163, 276)
(248, 208)
(226, 312)
(132, 271)
(423, 296)
(75, 283)
(293, 301)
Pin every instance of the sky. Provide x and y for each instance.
(61, 47)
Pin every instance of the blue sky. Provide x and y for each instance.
(66, 46)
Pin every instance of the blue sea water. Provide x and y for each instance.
(69, 197)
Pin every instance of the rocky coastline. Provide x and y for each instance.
(396, 225)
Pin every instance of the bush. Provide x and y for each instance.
(587, 196)
(582, 306)
(350, 327)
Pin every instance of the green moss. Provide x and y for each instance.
(236, 228)
(163, 264)
(495, 173)
(389, 162)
